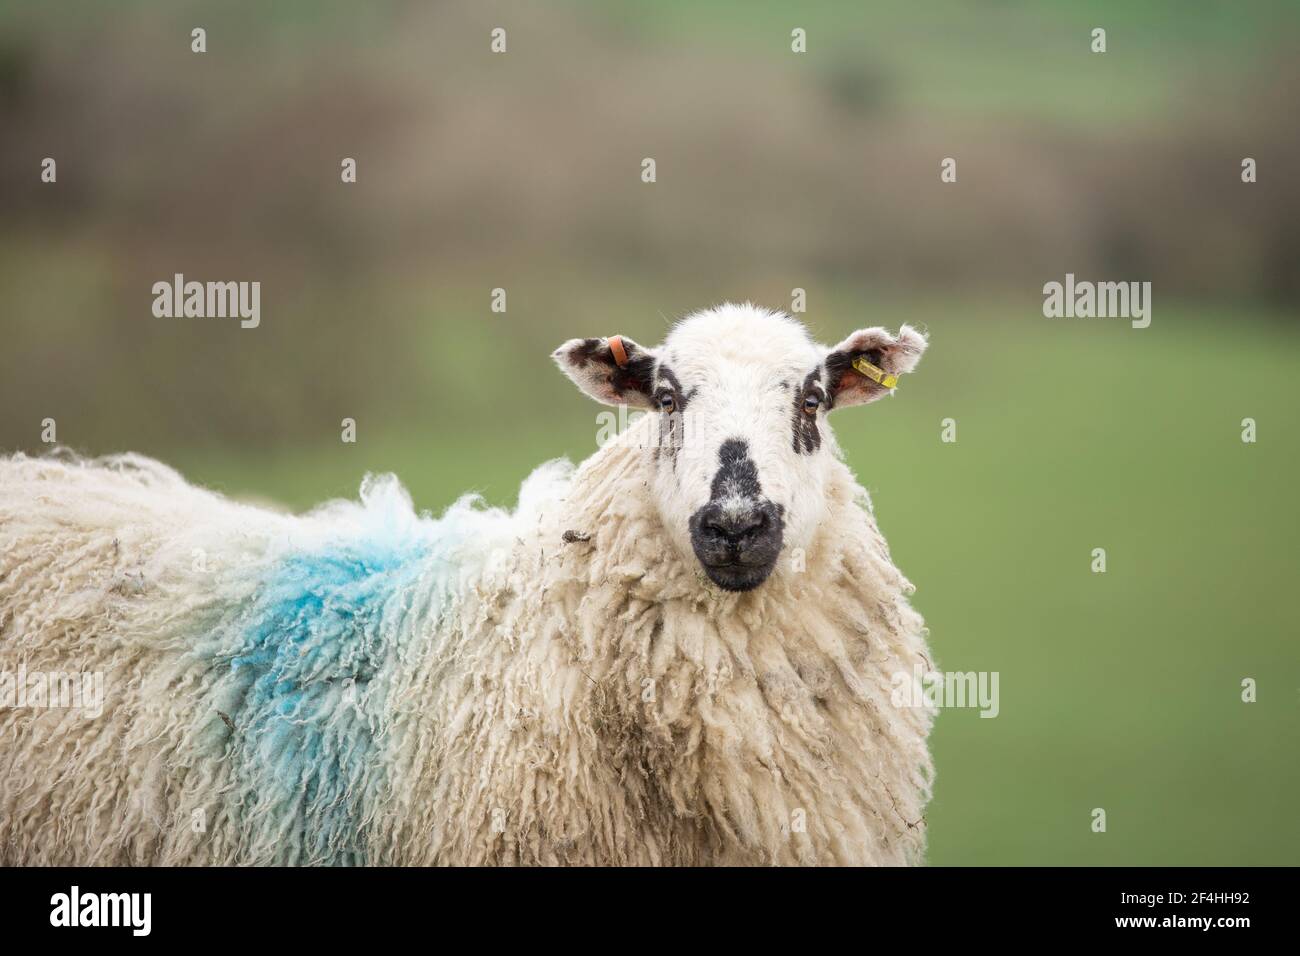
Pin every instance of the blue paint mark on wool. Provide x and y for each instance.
(312, 672)
(316, 641)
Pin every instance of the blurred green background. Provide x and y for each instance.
(775, 171)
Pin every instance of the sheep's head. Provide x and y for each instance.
(743, 449)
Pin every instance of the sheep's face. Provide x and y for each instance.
(739, 446)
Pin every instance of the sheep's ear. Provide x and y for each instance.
(615, 370)
(893, 356)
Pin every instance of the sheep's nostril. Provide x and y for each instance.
(738, 529)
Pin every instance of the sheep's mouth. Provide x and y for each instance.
(737, 576)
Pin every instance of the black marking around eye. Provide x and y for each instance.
(683, 397)
(806, 437)
(671, 430)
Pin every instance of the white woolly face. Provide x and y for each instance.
(743, 451)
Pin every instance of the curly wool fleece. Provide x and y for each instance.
(365, 685)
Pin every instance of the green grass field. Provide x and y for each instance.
(1119, 690)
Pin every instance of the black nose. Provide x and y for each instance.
(737, 542)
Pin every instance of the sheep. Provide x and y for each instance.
(679, 653)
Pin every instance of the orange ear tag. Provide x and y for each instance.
(616, 348)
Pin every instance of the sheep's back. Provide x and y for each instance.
(255, 665)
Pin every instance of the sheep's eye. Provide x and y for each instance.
(812, 401)
(667, 403)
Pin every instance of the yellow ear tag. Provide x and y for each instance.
(877, 375)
